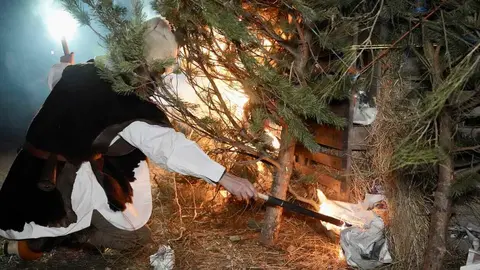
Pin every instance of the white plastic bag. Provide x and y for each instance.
(364, 115)
(164, 259)
(366, 248)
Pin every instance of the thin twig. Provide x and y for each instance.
(182, 228)
(311, 202)
(447, 53)
(474, 169)
(468, 148)
(384, 53)
(194, 201)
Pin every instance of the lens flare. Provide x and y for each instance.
(61, 24)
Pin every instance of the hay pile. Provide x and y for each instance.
(219, 233)
(407, 229)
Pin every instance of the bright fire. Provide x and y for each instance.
(224, 193)
(275, 142)
(231, 91)
(325, 209)
(341, 257)
(236, 98)
(61, 24)
(260, 167)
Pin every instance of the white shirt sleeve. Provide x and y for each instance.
(55, 74)
(171, 150)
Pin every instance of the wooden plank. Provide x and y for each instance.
(472, 133)
(321, 158)
(322, 179)
(328, 181)
(347, 160)
(328, 136)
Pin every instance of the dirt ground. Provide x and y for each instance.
(206, 231)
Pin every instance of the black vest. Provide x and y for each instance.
(80, 107)
(78, 120)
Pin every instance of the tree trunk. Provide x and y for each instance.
(279, 188)
(436, 247)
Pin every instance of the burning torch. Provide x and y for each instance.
(62, 26)
(66, 51)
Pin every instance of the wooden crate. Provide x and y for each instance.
(338, 161)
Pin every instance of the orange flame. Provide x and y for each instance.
(327, 210)
(341, 257)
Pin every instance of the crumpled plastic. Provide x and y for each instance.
(366, 248)
(364, 243)
(364, 115)
(163, 259)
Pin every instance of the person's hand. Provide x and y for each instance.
(69, 59)
(239, 187)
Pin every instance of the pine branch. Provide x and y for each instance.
(465, 182)
(469, 104)
(473, 170)
(469, 148)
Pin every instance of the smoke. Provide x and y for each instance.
(28, 51)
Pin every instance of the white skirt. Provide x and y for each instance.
(88, 195)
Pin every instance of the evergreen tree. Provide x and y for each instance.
(271, 51)
(441, 35)
(263, 51)
(268, 51)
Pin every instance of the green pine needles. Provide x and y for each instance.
(125, 65)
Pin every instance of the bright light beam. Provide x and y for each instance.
(61, 25)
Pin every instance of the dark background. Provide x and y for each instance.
(27, 52)
(26, 56)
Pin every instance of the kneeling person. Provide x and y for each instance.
(82, 174)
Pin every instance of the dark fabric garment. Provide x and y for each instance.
(115, 175)
(81, 108)
(65, 183)
(21, 201)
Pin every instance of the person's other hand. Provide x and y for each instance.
(69, 59)
(239, 187)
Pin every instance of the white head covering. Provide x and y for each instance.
(160, 42)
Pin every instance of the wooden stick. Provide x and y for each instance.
(262, 196)
(66, 51)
